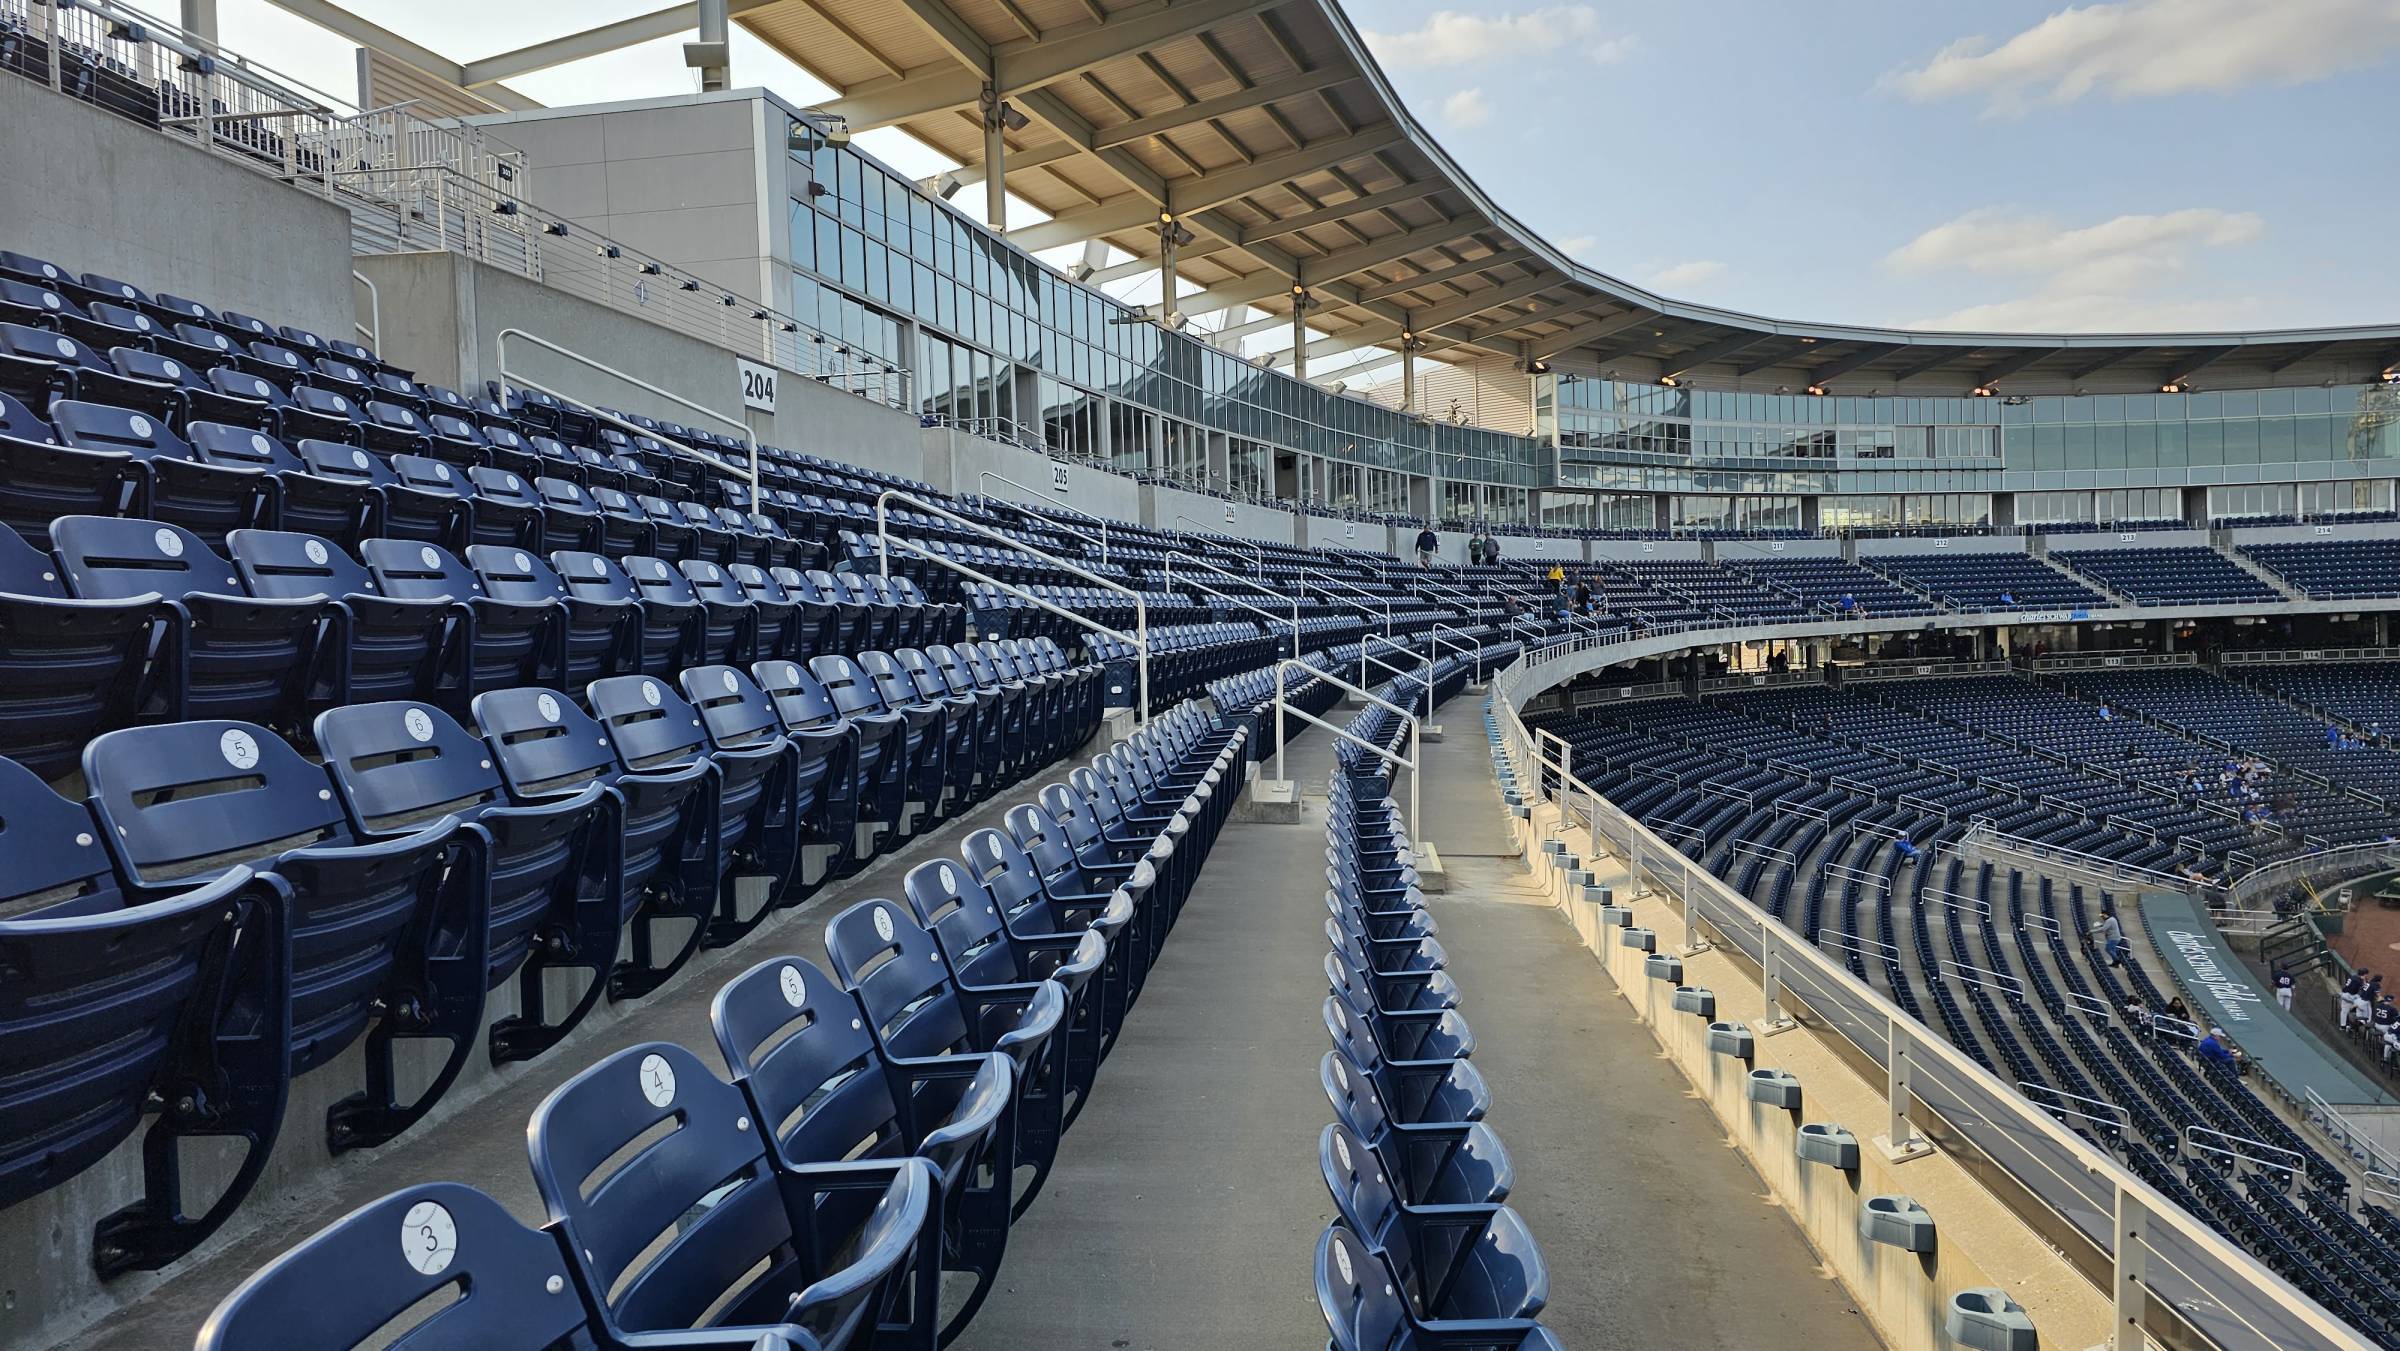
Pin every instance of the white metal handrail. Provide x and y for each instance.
(1367, 653)
(1271, 619)
(1460, 641)
(372, 330)
(1416, 748)
(884, 540)
(1258, 553)
(2137, 1206)
(510, 377)
(989, 475)
(1322, 585)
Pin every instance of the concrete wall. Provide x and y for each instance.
(1540, 546)
(971, 457)
(2285, 534)
(1324, 532)
(677, 179)
(93, 192)
(1738, 550)
(1981, 1243)
(1230, 518)
(1647, 548)
(442, 316)
(1944, 544)
(2102, 541)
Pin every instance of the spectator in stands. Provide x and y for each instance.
(2008, 598)
(1509, 608)
(2387, 1025)
(1491, 548)
(1906, 848)
(1583, 596)
(1849, 604)
(2333, 737)
(2353, 1002)
(1428, 544)
(1555, 578)
(2111, 933)
(2283, 989)
(2107, 714)
(2218, 1051)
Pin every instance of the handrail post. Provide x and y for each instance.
(1416, 776)
(1279, 775)
(1770, 966)
(2129, 1284)
(1901, 1142)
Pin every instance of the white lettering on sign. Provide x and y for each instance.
(758, 384)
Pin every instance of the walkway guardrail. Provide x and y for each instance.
(1139, 639)
(1416, 749)
(2161, 1267)
(990, 476)
(510, 376)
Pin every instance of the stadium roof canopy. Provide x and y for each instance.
(1265, 130)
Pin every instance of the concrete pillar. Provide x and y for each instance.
(995, 167)
(1408, 371)
(1166, 268)
(712, 55)
(200, 19)
(1299, 334)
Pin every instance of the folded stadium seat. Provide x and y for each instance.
(999, 718)
(820, 616)
(712, 540)
(1425, 1162)
(35, 305)
(246, 400)
(671, 536)
(603, 634)
(971, 756)
(70, 667)
(319, 414)
(508, 643)
(834, 781)
(1031, 707)
(760, 826)
(340, 509)
(556, 903)
(508, 512)
(206, 336)
(783, 631)
(881, 626)
(461, 1236)
(796, 1046)
(217, 651)
(39, 364)
(547, 749)
(984, 952)
(302, 340)
(854, 623)
(331, 372)
(169, 482)
(946, 621)
(756, 539)
(570, 516)
(1476, 1265)
(373, 646)
(389, 385)
(395, 429)
(847, 1251)
(672, 633)
(916, 1005)
(935, 732)
(26, 267)
(422, 511)
(69, 936)
(172, 387)
(725, 626)
(625, 532)
(906, 625)
(884, 753)
(185, 804)
(456, 436)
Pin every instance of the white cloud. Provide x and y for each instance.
(1579, 246)
(2119, 275)
(1467, 108)
(2149, 48)
(1450, 38)
(1686, 276)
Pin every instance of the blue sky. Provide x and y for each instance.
(2146, 164)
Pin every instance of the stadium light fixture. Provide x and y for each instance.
(1817, 390)
(556, 227)
(2174, 387)
(690, 285)
(649, 269)
(609, 251)
(1981, 391)
(1670, 381)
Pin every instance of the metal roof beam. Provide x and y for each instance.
(1593, 332)
(1017, 161)
(2207, 357)
(1739, 341)
(1786, 348)
(1375, 253)
(2105, 358)
(1933, 356)
(1866, 354)
(1258, 286)
(2012, 363)
(1110, 217)
(934, 88)
(1290, 86)
(956, 35)
(1142, 267)
(1216, 189)
(1030, 63)
(1327, 215)
(2283, 364)
(591, 42)
(1484, 301)
(1454, 272)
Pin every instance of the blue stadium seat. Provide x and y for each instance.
(670, 636)
(917, 1006)
(184, 804)
(848, 1251)
(549, 749)
(69, 668)
(883, 758)
(220, 652)
(466, 1274)
(794, 1042)
(508, 643)
(116, 1008)
(375, 646)
(1453, 1263)
(758, 772)
(556, 900)
(603, 636)
(1364, 1305)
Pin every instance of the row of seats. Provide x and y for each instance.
(897, 1099)
(127, 619)
(2186, 574)
(1422, 1253)
(276, 910)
